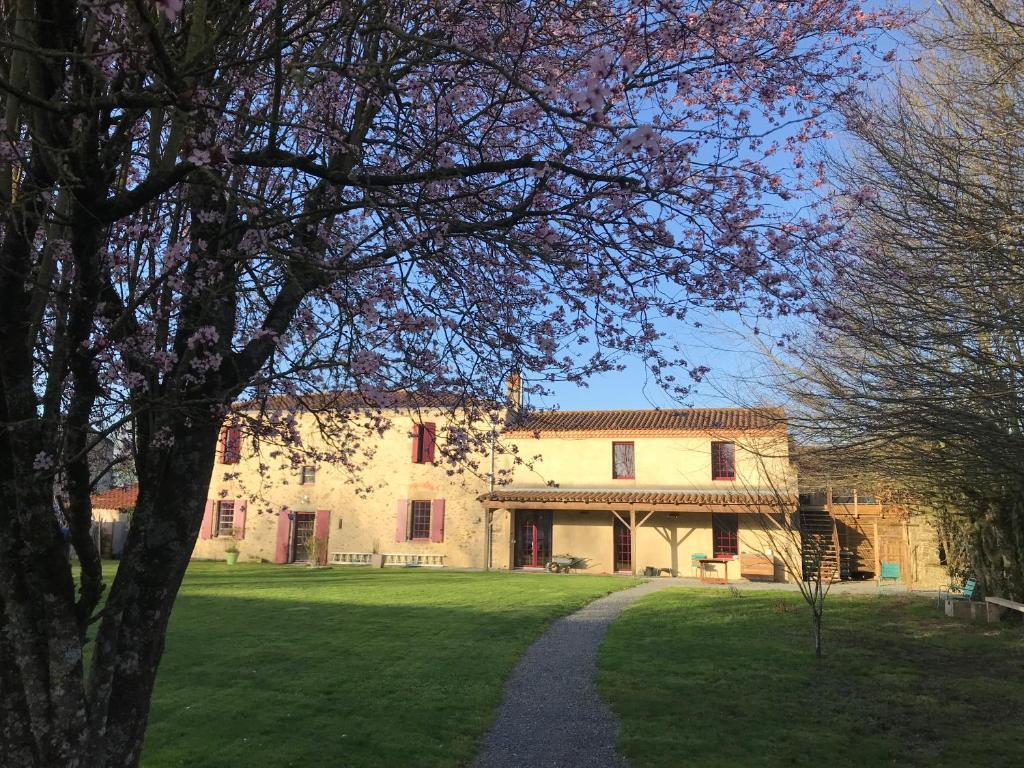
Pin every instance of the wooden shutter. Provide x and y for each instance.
(417, 443)
(240, 518)
(206, 529)
(437, 520)
(322, 530)
(281, 544)
(429, 440)
(402, 520)
(231, 445)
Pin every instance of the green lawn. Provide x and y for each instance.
(286, 666)
(698, 675)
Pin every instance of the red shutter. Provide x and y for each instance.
(417, 437)
(402, 520)
(429, 440)
(223, 443)
(437, 520)
(240, 518)
(206, 529)
(322, 530)
(283, 530)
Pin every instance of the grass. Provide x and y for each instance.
(285, 666)
(701, 674)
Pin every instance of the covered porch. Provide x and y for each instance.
(627, 531)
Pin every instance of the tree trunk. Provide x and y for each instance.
(817, 634)
(130, 642)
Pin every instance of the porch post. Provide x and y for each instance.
(878, 555)
(632, 538)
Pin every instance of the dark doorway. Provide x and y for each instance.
(302, 532)
(533, 538)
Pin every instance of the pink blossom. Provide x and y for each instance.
(171, 8)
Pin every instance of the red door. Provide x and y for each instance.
(533, 538)
(623, 542)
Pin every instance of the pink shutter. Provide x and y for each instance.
(240, 518)
(437, 520)
(283, 530)
(206, 529)
(322, 530)
(417, 436)
(429, 440)
(402, 520)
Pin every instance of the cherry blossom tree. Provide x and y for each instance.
(211, 200)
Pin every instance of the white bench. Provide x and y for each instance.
(997, 606)
(390, 558)
(419, 561)
(350, 558)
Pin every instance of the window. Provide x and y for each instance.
(224, 520)
(723, 461)
(424, 436)
(308, 475)
(623, 461)
(231, 445)
(419, 520)
(725, 534)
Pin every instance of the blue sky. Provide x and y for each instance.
(723, 343)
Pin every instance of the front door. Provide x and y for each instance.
(623, 546)
(533, 538)
(302, 532)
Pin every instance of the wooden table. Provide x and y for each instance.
(716, 561)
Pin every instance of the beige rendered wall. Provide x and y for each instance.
(661, 462)
(358, 520)
(109, 516)
(923, 545)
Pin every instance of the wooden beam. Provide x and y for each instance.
(646, 518)
(605, 507)
(619, 517)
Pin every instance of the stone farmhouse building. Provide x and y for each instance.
(621, 491)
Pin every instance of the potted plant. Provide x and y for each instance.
(376, 559)
(231, 550)
(316, 551)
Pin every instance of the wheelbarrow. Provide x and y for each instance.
(564, 563)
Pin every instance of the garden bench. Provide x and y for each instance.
(997, 606)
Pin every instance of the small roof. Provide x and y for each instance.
(119, 497)
(660, 420)
(638, 496)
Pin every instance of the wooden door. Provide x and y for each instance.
(533, 538)
(302, 532)
(623, 555)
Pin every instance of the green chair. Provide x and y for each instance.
(695, 562)
(955, 592)
(890, 573)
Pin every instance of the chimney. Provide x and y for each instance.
(515, 393)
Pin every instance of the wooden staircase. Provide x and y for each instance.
(819, 542)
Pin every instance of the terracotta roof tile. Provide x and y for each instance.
(116, 498)
(661, 420)
(632, 496)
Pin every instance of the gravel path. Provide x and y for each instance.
(552, 716)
